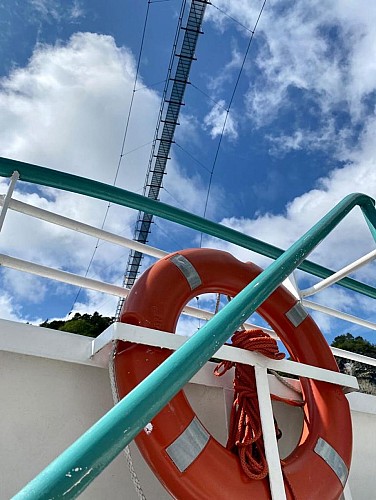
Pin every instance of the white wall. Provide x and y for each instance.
(46, 404)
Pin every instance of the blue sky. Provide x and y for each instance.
(300, 132)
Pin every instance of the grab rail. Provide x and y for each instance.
(75, 184)
(74, 469)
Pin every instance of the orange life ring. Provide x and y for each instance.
(188, 461)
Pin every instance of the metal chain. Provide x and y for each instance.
(127, 451)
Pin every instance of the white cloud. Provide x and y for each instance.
(67, 110)
(219, 121)
(217, 83)
(8, 308)
(321, 50)
(188, 132)
(352, 237)
(189, 192)
(348, 242)
(96, 301)
(323, 138)
(26, 287)
(56, 11)
(77, 10)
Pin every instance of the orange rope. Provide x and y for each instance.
(245, 436)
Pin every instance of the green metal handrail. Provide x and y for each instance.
(74, 469)
(73, 183)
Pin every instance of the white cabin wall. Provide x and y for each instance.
(45, 406)
(362, 473)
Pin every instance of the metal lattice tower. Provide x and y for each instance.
(172, 99)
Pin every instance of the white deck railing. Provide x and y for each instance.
(74, 279)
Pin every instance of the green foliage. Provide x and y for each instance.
(365, 374)
(355, 344)
(54, 325)
(89, 325)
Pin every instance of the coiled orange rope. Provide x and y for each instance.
(245, 436)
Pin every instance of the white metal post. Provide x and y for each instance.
(277, 486)
(342, 273)
(338, 314)
(8, 196)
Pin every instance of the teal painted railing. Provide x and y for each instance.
(73, 470)
(94, 189)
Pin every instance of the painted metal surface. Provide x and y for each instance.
(339, 314)
(157, 338)
(63, 346)
(8, 197)
(354, 266)
(95, 189)
(341, 353)
(21, 375)
(276, 481)
(63, 276)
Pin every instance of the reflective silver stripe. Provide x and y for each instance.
(187, 269)
(332, 458)
(187, 447)
(296, 314)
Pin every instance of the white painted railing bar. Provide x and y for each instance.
(353, 356)
(128, 243)
(64, 276)
(6, 199)
(276, 482)
(74, 225)
(342, 273)
(99, 286)
(92, 284)
(207, 315)
(89, 230)
(338, 314)
(157, 338)
(74, 279)
(80, 227)
(111, 334)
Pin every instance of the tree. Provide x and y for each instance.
(54, 325)
(89, 325)
(365, 374)
(355, 344)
